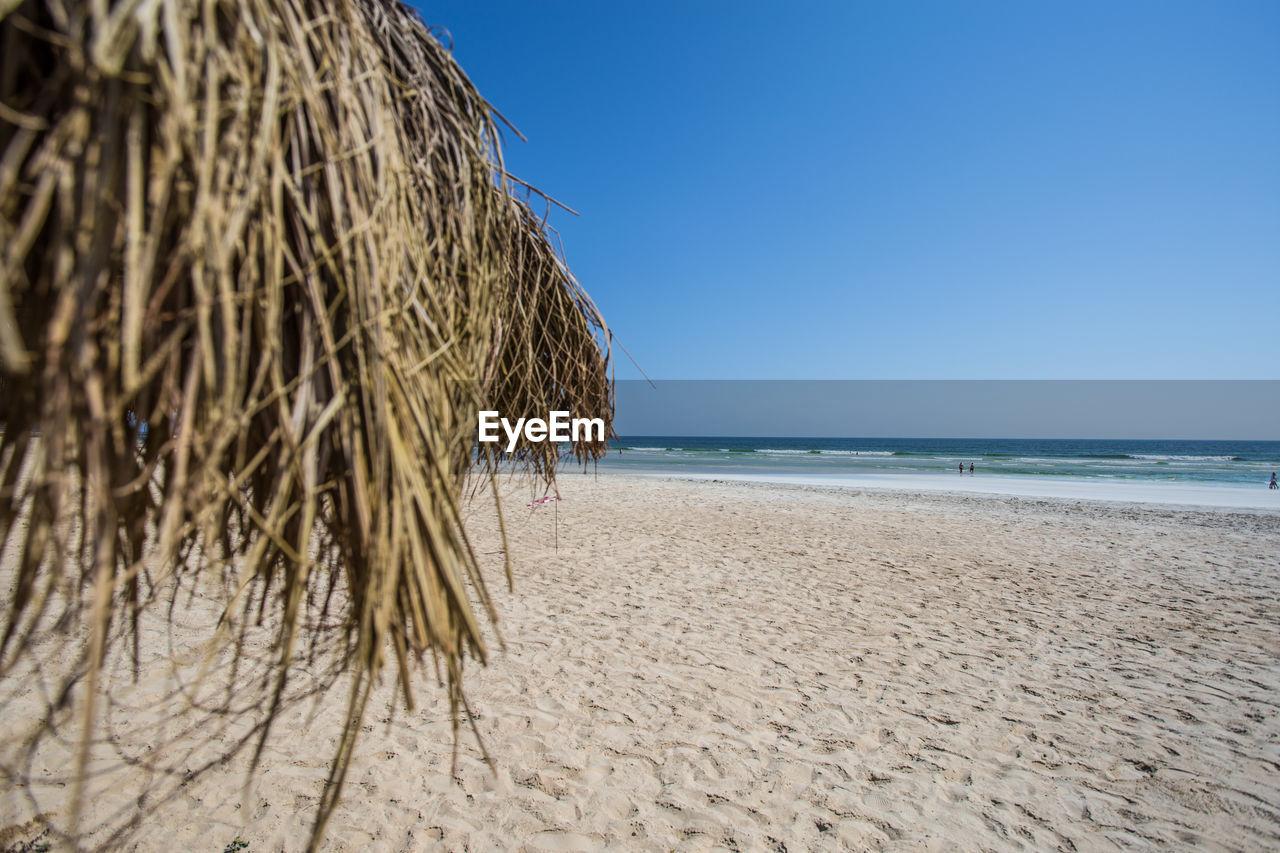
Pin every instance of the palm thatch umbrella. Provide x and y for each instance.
(260, 267)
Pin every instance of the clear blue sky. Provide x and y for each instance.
(913, 190)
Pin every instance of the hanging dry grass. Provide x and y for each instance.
(277, 233)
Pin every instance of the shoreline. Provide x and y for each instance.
(1065, 489)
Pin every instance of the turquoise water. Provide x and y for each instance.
(1192, 462)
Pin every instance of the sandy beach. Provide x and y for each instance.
(747, 666)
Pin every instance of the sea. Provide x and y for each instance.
(1100, 468)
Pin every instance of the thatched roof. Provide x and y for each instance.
(277, 233)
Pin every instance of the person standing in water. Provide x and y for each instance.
(1273, 484)
(970, 467)
(961, 469)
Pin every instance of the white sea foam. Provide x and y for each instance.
(788, 451)
(1073, 461)
(857, 453)
(1161, 457)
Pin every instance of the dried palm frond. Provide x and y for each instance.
(260, 267)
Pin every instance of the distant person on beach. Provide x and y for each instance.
(1273, 484)
(970, 467)
(961, 469)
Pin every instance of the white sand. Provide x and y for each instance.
(747, 666)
